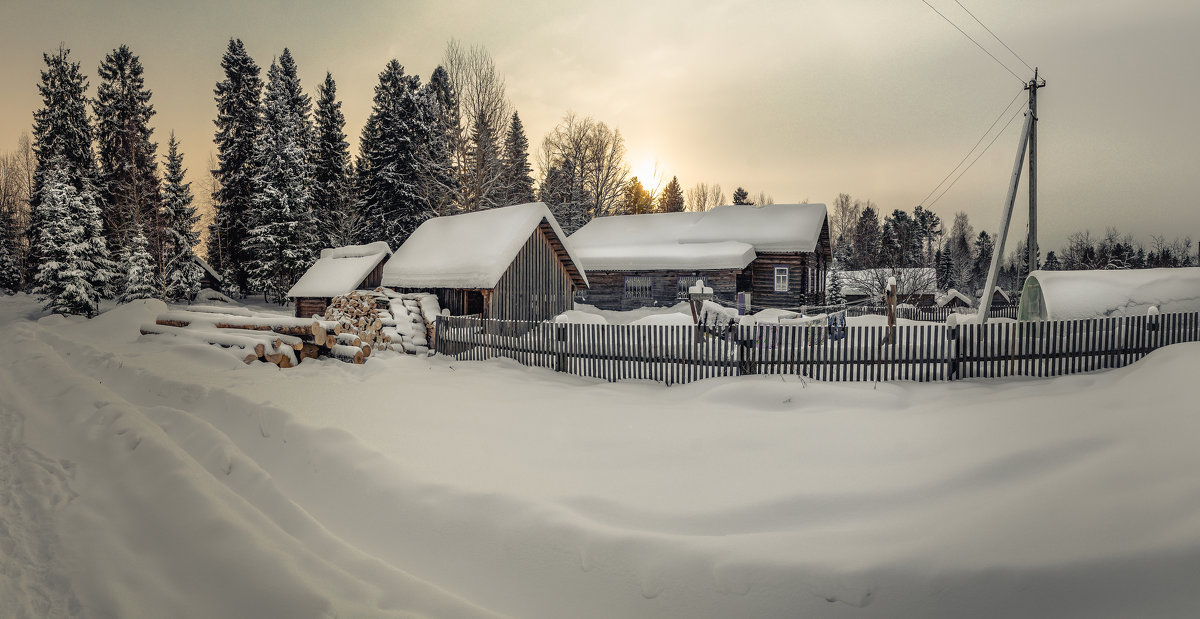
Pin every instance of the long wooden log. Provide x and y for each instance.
(349, 354)
(251, 348)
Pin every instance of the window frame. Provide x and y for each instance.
(786, 273)
(639, 287)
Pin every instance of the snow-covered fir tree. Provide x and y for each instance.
(62, 138)
(388, 166)
(128, 180)
(564, 190)
(280, 243)
(182, 280)
(298, 102)
(10, 277)
(741, 196)
(944, 266)
(1053, 264)
(516, 173)
(238, 125)
(139, 272)
(74, 266)
(671, 198)
(332, 200)
(834, 294)
(486, 189)
(440, 180)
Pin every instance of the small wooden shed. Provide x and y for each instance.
(208, 278)
(511, 263)
(339, 270)
(1075, 295)
(952, 298)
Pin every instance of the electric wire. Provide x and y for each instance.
(964, 33)
(1010, 50)
(956, 179)
(977, 143)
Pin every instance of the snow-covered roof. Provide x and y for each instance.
(772, 227)
(951, 295)
(697, 256)
(727, 237)
(471, 250)
(204, 265)
(1000, 291)
(340, 270)
(1075, 295)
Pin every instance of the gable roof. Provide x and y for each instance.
(473, 250)
(727, 237)
(207, 268)
(951, 295)
(340, 270)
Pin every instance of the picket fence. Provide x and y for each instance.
(675, 354)
(928, 313)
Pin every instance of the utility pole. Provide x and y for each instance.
(1031, 241)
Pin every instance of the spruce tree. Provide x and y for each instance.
(238, 125)
(516, 179)
(128, 177)
(868, 240)
(945, 269)
(139, 273)
(389, 170)
(10, 275)
(486, 188)
(1053, 264)
(441, 183)
(62, 138)
(331, 186)
(835, 294)
(741, 196)
(183, 275)
(671, 199)
(74, 266)
(279, 243)
(983, 260)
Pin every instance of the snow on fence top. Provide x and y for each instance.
(1074, 295)
(340, 270)
(471, 250)
(726, 237)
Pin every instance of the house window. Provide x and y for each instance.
(637, 287)
(685, 282)
(781, 279)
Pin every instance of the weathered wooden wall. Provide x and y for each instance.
(759, 279)
(607, 288)
(536, 285)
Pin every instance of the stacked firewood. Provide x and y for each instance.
(354, 326)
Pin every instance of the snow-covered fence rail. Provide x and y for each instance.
(681, 353)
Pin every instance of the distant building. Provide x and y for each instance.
(779, 253)
(339, 271)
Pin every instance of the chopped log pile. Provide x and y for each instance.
(354, 327)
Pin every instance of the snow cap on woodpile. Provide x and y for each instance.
(472, 250)
(727, 237)
(1076, 295)
(340, 270)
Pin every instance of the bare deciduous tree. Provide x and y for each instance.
(591, 157)
(703, 197)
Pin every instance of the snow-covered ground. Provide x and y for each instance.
(148, 478)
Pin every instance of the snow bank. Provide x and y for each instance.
(146, 481)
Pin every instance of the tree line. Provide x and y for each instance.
(873, 246)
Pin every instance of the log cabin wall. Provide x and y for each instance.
(536, 285)
(307, 306)
(806, 279)
(607, 288)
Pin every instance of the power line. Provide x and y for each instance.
(964, 33)
(939, 197)
(977, 143)
(1010, 50)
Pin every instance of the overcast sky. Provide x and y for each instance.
(801, 99)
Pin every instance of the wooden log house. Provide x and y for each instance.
(779, 253)
(511, 263)
(339, 271)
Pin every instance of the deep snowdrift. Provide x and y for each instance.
(141, 478)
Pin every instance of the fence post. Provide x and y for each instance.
(952, 347)
(560, 337)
